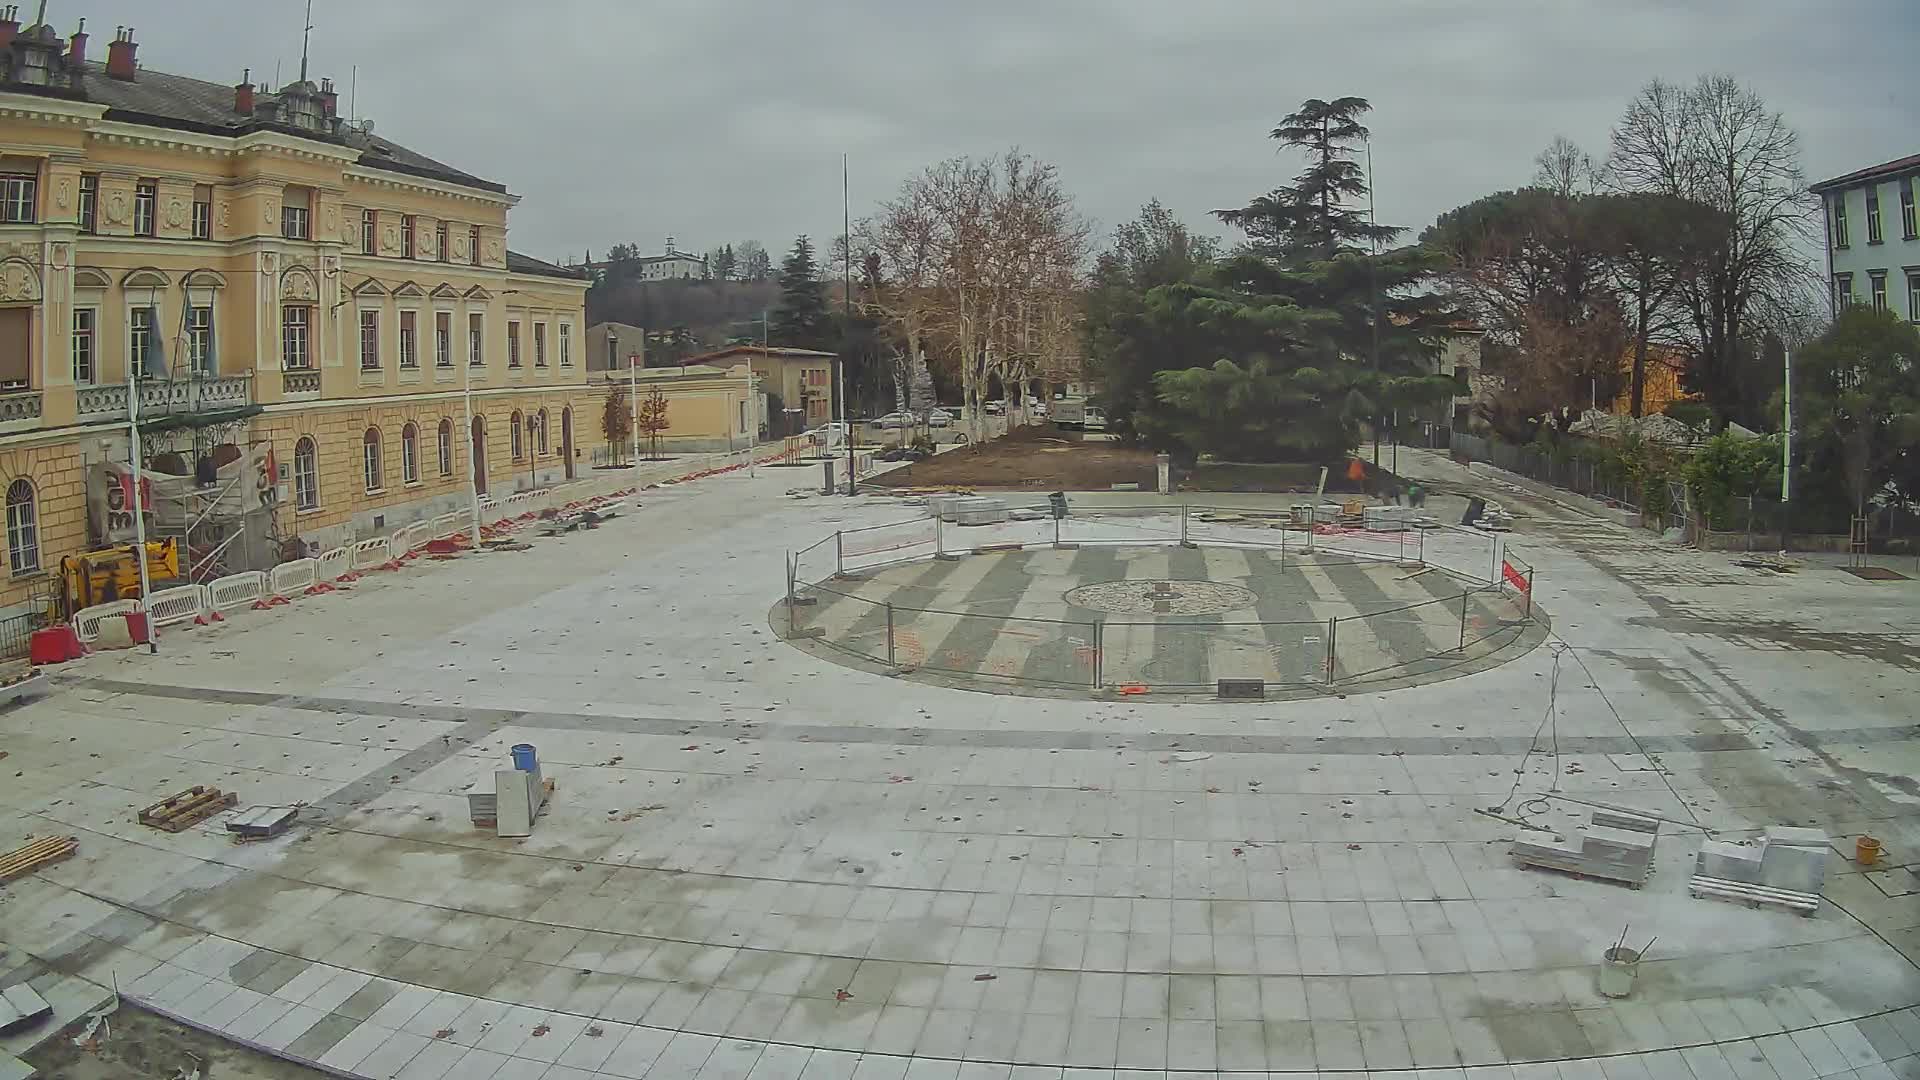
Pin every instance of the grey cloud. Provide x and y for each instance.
(722, 120)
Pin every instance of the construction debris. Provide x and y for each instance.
(260, 822)
(35, 854)
(187, 808)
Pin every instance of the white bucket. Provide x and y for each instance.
(1617, 968)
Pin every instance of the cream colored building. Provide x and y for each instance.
(285, 280)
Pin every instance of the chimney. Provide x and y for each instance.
(120, 54)
(243, 94)
(329, 98)
(77, 45)
(9, 24)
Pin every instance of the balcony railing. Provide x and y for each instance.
(167, 397)
(19, 405)
(299, 384)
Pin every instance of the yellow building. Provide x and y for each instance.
(800, 379)
(290, 289)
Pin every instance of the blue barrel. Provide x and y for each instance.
(523, 758)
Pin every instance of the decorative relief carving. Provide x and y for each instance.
(18, 281)
(297, 285)
(117, 208)
(332, 219)
(271, 213)
(176, 213)
(63, 193)
(226, 213)
(60, 255)
(493, 250)
(390, 237)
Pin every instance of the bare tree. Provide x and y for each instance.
(1565, 169)
(1717, 144)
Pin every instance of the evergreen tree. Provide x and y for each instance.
(801, 319)
(1303, 334)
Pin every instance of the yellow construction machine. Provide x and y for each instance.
(95, 577)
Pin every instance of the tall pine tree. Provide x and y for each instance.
(1297, 317)
(801, 319)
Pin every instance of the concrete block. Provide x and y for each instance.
(513, 802)
(1793, 868)
(1728, 861)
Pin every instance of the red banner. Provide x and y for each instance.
(1515, 578)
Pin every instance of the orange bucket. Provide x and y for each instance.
(1866, 851)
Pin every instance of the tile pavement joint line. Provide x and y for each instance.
(473, 720)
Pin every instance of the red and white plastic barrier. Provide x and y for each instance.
(291, 579)
(245, 589)
(86, 621)
(182, 603)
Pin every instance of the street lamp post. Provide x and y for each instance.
(476, 445)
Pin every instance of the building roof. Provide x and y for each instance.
(160, 99)
(781, 351)
(1891, 168)
(527, 264)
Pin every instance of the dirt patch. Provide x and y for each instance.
(142, 1046)
(1030, 457)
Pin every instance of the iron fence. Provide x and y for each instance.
(1483, 604)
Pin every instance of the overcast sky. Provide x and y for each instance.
(724, 120)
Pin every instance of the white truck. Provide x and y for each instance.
(1075, 414)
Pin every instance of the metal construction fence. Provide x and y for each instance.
(1580, 473)
(1480, 601)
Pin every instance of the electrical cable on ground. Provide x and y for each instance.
(1549, 722)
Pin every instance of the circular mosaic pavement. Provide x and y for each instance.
(1160, 597)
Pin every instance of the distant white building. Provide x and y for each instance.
(674, 264)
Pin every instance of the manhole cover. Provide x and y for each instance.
(1161, 597)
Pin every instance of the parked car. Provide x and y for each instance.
(895, 420)
(996, 408)
(939, 418)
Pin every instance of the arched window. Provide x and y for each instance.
(446, 447)
(306, 474)
(370, 451)
(540, 432)
(410, 454)
(23, 528)
(514, 442)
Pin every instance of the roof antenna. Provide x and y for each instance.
(304, 33)
(41, 18)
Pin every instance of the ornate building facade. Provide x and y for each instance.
(284, 286)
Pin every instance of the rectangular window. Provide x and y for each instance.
(370, 450)
(1839, 219)
(1873, 214)
(139, 339)
(18, 198)
(369, 232)
(146, 199)
(306, 476)
(84, 371)
(407, 225)
(409, 339)
(369, 341)
(566, 345)
(295, 322)
(446, 449)
(409, 455)
(443, 339)
(539, 344)
(89, 202)
(202, 212)
(200, 339)
(473, 245)
(1843, 290)
(1913, 297)
(476, 339)
(440, 241)
(295, 217)
(1877, 284)
(1909, 225)
(513, 344)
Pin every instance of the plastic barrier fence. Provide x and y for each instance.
(244, 589)
(182, 603)
(290, 579)
(86, 621)
(370, 554)
(334, 564)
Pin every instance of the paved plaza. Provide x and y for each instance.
(762, 863)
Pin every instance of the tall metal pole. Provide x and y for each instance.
(139, 510)
(846, 301)
(1786, 453)
(633, 398)
(1373, 277)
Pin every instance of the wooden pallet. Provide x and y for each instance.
(187, 808)
(1752, 895)
(35, 854)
